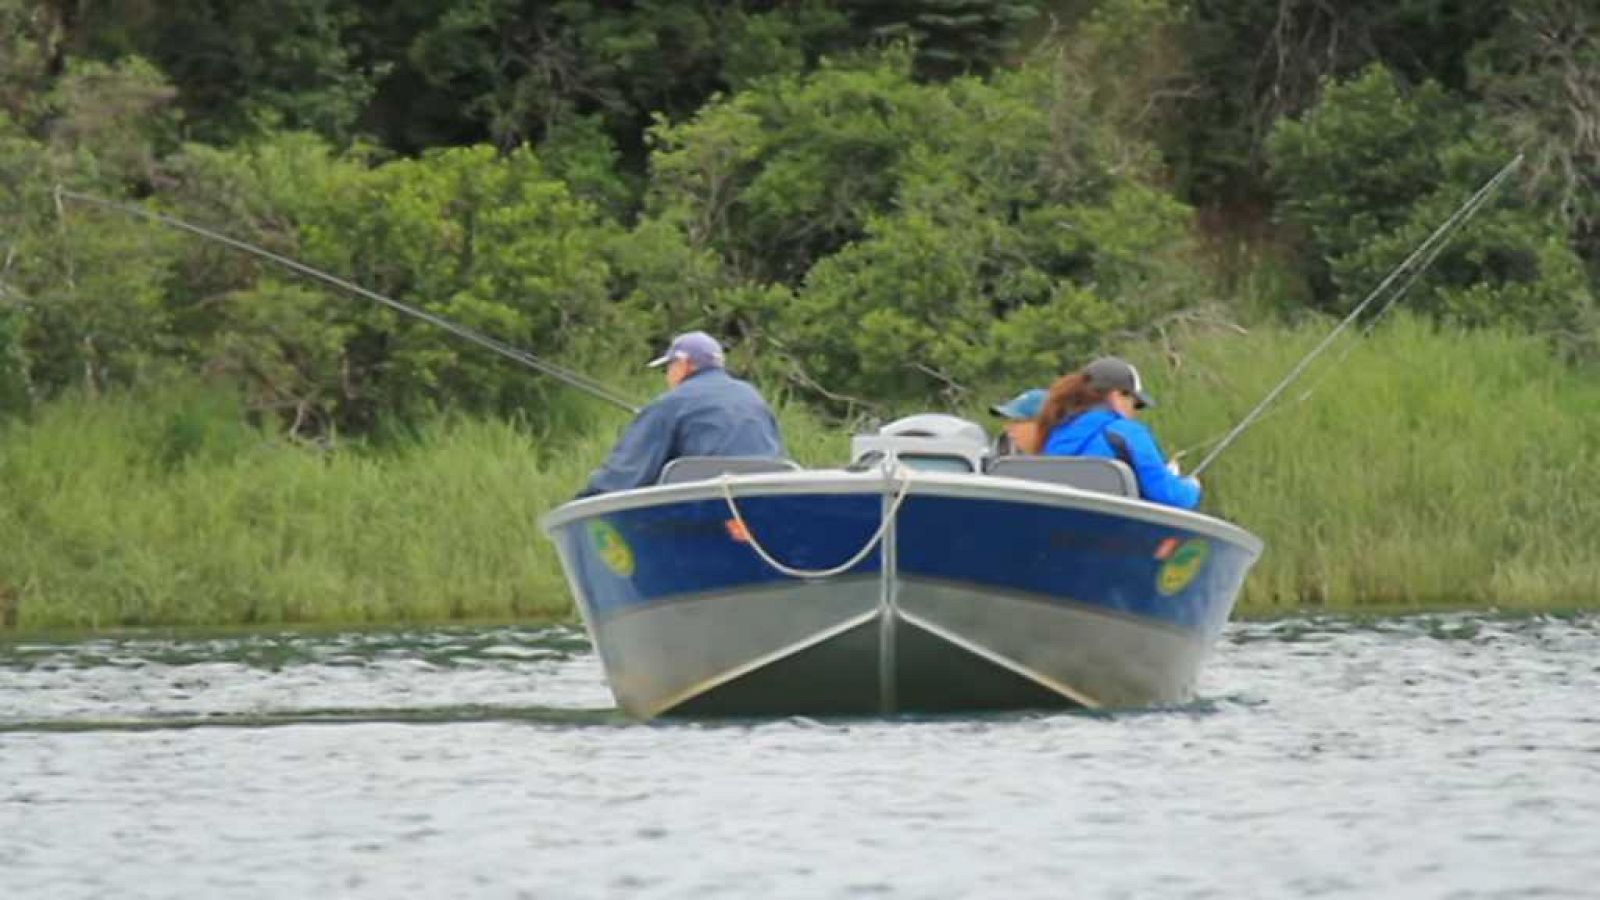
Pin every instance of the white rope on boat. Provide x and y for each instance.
(904, 475)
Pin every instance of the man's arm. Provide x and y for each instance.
(637, 458)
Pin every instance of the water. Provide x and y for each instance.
(1442, 756)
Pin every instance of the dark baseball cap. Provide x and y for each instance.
(1111, 373)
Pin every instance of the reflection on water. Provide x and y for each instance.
(1432, 756)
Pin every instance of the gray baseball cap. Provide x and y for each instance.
(697, 347)
(1112, 373)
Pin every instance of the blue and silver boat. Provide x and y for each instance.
(926, 577)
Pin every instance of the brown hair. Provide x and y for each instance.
(1071, 394)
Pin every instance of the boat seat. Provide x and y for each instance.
(1089, 473)
(701, 468)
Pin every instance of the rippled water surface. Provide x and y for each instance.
(1445, 756)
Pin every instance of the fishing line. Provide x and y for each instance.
(571, 378)
(1366, 331)
(1421, 257)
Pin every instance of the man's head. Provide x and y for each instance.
(689, 353)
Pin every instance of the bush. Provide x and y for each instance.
(1371, 171)
(889, 240)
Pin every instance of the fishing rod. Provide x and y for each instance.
(569, 377)
(1366, 330)
(1420, 259)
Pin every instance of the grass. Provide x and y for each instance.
(1428, 469)
(169, 510)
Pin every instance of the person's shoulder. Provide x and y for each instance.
(1132, 430)
(664, 403)
(725, 382)
(1125, 425)
(1089, 419)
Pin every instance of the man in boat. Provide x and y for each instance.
(705, 412)
(1092, 412)
(1019, 432)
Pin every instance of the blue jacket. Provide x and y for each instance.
(1086, 434)
(710, 413)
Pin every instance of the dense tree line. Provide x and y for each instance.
(878, 202)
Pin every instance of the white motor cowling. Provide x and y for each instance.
(925, 441)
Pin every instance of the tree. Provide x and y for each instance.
(1539, 75)
(1372, 170)
(898, 238)
(239, 67)
(1256, 61)
(490, 241)
(951, 37)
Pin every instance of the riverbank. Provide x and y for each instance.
(1435, 470)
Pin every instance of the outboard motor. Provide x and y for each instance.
(930, 441)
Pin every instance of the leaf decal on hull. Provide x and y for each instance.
(1182, 566)
(611, 547)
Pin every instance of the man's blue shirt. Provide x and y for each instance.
(1086, 434)
(710, 413)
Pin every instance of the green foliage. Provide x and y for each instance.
(880, 205)
(491, 241)
(580, 152)
(13, 363)
(783, 39)
(1539, 74)
(1430, 466)
(508, 72)
(786, 172)
(964, 232)
(851, 227)
(488, 241)
(1371, 171)
(239, 67)
(1357, 163)
(115, 118)
(26, 55)
(167, 508)
(952, 37)
(1397, 482)
(1254, 62)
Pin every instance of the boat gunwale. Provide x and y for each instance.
(924, 483)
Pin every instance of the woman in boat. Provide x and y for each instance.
(1092, 412)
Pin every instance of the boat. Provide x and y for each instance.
(926, 576)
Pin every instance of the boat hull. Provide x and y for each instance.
(981, 594)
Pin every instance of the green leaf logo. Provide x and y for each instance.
(1182, 566)
(610, 546)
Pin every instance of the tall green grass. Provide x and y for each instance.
(1426, 469)
(103, 526)
(168, 509)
